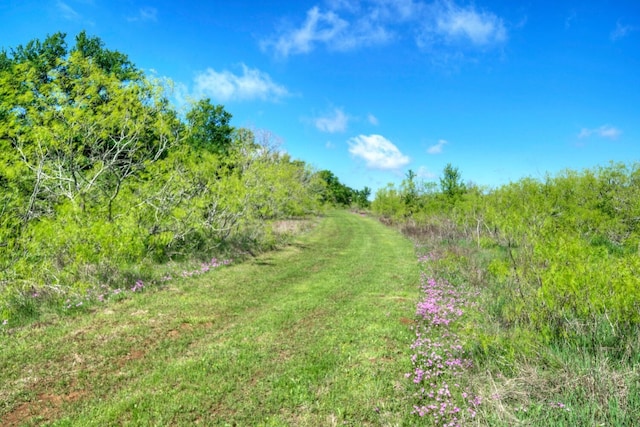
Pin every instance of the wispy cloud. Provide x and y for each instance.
(344, 25)
(336, 122)
(145, 14)
(572, 16)
(437, 148)
(377, 152)
(424, 173)
(621, 31)
(318, 28)
(605, 131)
(226, 86)
(372, 119)
(450, 24)
(67, 12)
(329, 29)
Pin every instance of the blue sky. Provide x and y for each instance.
(372, 88)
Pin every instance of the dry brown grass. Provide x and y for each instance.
(537, 385)
(291, 226)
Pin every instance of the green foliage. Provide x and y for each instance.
(362, 197)
(553, 326)
(335, 193)
(81, 132)
(573, 256)
(409, 192)
(109, 61)
(451, 183)
(564, 249)
(388, 202)
(41, 56)
(208, 127)
(98, 174)
(412, 200)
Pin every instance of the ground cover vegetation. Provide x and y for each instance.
(315, 333)
(533, 288)
(103, 182)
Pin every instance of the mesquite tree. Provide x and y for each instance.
(78, 124)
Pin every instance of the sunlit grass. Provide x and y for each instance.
(314, 334)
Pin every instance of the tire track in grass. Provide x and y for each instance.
(313, 334)
(317, 354)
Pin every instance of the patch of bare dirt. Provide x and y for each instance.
(407, 321)
(46, 407)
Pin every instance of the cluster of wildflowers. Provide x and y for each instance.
(559, 405)
(104, 293)
(439, 359)
(205, 267)
(69, 304)
(431, 256)
(138, 286)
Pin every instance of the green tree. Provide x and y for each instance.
(73, 128)
(410, 193)
(42, 56)
(208, 127)
(389, 203)
(335, 192)
(109, 61)
(451, 183)
(362, 197)
(98, 172)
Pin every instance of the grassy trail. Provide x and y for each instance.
(315, 334)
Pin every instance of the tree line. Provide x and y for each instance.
(99, 173)
(564, 249)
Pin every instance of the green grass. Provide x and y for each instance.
(314, 334)
(525, 378)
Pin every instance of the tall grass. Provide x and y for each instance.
(585, 373)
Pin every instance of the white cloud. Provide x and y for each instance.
(67, 11)
(349, 24)
(145, 14)
(437, 148)
(377, 152)
(621, 31)
(227, 86)
(337, 122)
(372, 119)
(345, 25)
(452, 24)
(605, 131)
(318, 27)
